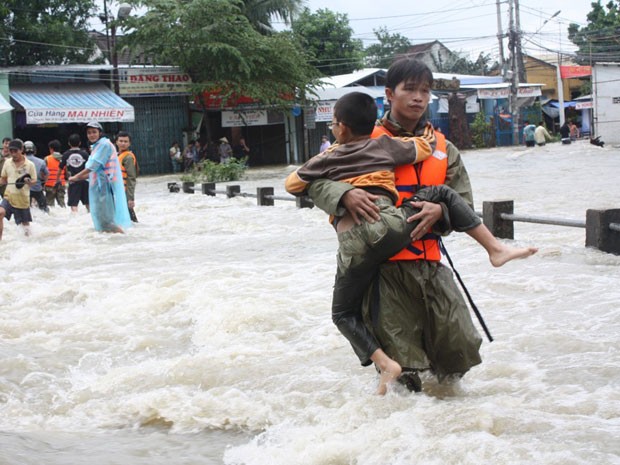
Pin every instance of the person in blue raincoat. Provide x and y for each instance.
(108, 203)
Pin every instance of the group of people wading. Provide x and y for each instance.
(103, 180)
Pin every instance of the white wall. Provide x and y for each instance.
(606, 98)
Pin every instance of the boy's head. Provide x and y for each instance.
(358, 112)
(123, 141)
(54, 145)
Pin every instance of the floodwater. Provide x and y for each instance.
(203, 336)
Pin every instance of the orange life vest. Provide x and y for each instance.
(121, 157)
(53, 165)
(409, 178)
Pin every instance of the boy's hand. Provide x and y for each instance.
(361, 204)
(428, 215)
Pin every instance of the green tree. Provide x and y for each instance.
(389, 47)
(599, 40)
(261, 12)
(215, 43)
(45, 32)
(328, 37)
(461, 65)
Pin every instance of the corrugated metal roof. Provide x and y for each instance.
(4, 105)
(70, 103)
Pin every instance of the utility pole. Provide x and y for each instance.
(513, 39)
(500, 38)
(520, 67)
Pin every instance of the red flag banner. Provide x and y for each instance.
(567, 72)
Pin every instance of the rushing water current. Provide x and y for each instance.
(203, 335)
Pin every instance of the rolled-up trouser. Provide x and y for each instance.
(363, 248)
(55, 194)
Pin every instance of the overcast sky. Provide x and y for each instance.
(469, 26)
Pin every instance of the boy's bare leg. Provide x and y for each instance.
(499, 253)
(26, 227)
(389, 370)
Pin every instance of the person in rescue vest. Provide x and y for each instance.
(74, 161)
(18, 174)
(55, 184)
(369, 163)
(414, 308)
(129, 168)
(106, 194)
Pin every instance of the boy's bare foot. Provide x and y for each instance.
(506, 253)
(390, 370)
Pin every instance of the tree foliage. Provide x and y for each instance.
(215, 43)
(261, 12)
(599, 40)
(382, 55)
(45, 32)
(462, 65)
(328, 37)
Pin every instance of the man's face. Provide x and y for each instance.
(92, 134)
(5, 146)
(16, 154)
(409, 101)
(123, 143)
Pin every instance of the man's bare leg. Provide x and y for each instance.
(2, 215)
(389, 370)
(499, 253)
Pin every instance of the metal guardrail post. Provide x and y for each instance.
(232, 191)
(264, 196)
(492, 218)
(600, 230)
(188, 187)
(208, 188)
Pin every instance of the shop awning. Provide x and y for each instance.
(4, 105)
(70, 103)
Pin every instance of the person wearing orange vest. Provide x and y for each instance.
(129, 168)
(369, 163)
(55, 184)
(414, 308)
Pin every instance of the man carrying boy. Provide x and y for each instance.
(369, 164)
(129, 168)
(414, 308)
(18, 174)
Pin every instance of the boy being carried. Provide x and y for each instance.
(369, 163)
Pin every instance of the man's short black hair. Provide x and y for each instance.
(358, 111)
(54, 144)
(123, 134)
(408, 70)
(6, 139)
(75, 140)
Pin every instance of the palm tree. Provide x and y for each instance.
(261, 12)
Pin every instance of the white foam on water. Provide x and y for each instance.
(204, 334)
